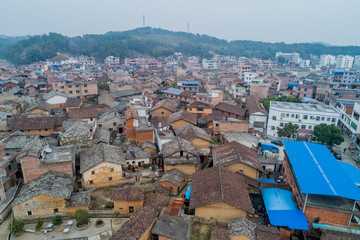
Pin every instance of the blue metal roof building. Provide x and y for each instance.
(282, 209)
(173, 91)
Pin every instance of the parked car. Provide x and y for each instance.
(337, 155)
(277, 142)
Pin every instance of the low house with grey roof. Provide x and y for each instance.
(56, 99)
(37, 159)
(112, 121)
(182, 155)
(127, 200)
(101, 166)
(42, 108)
(78, 133)
(167, 227)
(49, 195)
(174, 180)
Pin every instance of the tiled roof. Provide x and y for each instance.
(73, 102)
(53, 94)
(173, 176)
(53, 184)
(32, 123)
(235, 152)
(32, 148)
(128, 194)
(182, 115)
(219, 184)
(131, 114)
(79, 199)
(190, 132)
(230, 109)
(267, 233)
(219, 232)
(174, 91)
(168, 104)
(83, 112)
(172, 227)
(242, 226)
(41, 105)
(253, 105)
(176, 145)
(137, 225)
(97, 154)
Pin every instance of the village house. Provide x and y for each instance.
(181, 118)
(42, 108)
(218, 124)
(72, 103)
(245, 229)
(85, 114)
(56, 99)
(37, 158)
(197, 136)
(237, 158)
(112, 121)
(149, 147)
(202, 110)
(49, 195)
(180, 154)
(139, 226)
(77, 132)
(221, 194)
(4, 122)
(138, 129)
(78, 88)
(42, 126)
(167, 227)
(101, 166)
(127, 200)
(230, 111)
(174, 180)
(135, 156)
(257, 114)
(164, 108)
(9, 184)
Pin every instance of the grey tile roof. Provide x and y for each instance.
(97, 154)
(32, 148)
(172, 227)
(125, 93)
(174, 91)
(78, 129)
(182, 115)
(176, 145)
(128, 194)
(242, 226)
(190, 132)
(79, 199)
(219, 232)
(101, 136)
(52, 184)
(168, 104)
(173, 176)
(41, 105)
(53, 94)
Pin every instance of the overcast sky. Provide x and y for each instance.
(331, 21)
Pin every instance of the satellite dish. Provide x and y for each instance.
(48, 149)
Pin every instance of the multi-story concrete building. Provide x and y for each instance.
(301, 91)
(112, 61)
(304, 115)
(289, 57)
(335, 95)
(249, 76)
(356, 64)
(327, 60)
(209, 64)
(344, 61)
(349, 77)
(349, 121)
(76, 88)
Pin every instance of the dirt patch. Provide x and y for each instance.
(200, 231)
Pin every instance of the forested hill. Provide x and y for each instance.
(152, 42)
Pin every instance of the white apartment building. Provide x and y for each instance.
(289, 57)
(349, 123)
(356, 64)
(249, 76)
(349, 77)
(305, 115)
(327, 60)
(112, 61)
(209, 64)
(344, 61)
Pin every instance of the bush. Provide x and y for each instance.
(39, 224)
(57, 220)
(109, 205)
(99, 222)
(16, 226)
(82, 216)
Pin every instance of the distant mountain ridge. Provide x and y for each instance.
(154, 42)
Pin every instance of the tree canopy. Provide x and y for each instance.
(289, 130)
(329, 134)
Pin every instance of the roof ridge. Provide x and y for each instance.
(221, 185)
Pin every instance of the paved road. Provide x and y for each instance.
(347, 156)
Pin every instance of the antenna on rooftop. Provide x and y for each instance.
(143, 20)
(188, 27)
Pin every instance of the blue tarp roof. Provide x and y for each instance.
(318, 172)
(265, 180)
(190, 83)
(351, 171)
(188, 192)
(282, 209)
(292, 84)
(346, 102)
(339, 71)
(174, 91)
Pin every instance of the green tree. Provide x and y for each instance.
(329, 134)
(104, 86)
(289, 130)
(82, 216)
(57, 220)
(16, 226)
(39, 223)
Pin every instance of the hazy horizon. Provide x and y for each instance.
(263, 20)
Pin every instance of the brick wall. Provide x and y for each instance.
(142, 136)
(103, 175)
(160, 112)
(188, 169)
(122, 207)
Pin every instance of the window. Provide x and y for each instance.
(216, 124)
(287, 115)
(91, 182)
(114, 124)
(162, 112)
(11, 166)
(305, 116)
(100, 125)
(292, 115)
(76, 85)
(333, 119)
(305, 89)
(63, 92)
(303, 126)
(282, 115)
(131, 209)
(274, 117)
(111, 169)
(281, 124)
(356, 116)
(77, 91)
(85, 85)
(322, 118)
(272, 128)
(328, 119)
(110, 178)
(310, 127)
(62, 87)
(86, 91)
(70, 92)
(92, 172)
(69, 86)
(312, 117)
(317, 118)
(56, 210)
(29, 213)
